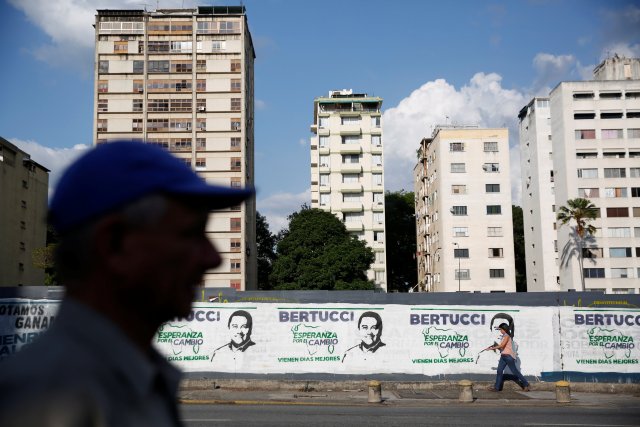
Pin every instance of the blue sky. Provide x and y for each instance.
(477, 62)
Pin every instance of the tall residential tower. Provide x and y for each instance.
(183, 79)
(463, 211)
(346, 168)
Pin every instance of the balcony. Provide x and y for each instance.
(355, 187)
(351, 207)
(350, 168)
(350, 149)
(353, 226)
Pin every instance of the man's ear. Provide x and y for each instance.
(110, 233)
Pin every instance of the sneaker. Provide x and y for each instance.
(492, 388)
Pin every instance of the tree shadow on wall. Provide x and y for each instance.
(574, 248)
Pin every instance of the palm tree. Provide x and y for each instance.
(581, 211)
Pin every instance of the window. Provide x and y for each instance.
(491, 167)
(461, 253)
(103, 67)
(235, 66)
(236, 85)
(376, 159)
(495, 253)
(636, 231)
(634, 172)
(379, 258)
(378, 217)
(492, 188)
(588, 173)
(586, 134)
(324, 199)
(459, 210)
(611, 115)
(377, 198)
(615, 173)
(350, 178)
(235, 265)
(324, 161)
(615, 192)
(136, 105)
(377, 178)
(619, 273)
(235, 124)
(323, 141)
(463, 274)
(375, 121)
(120, 47)
(635, 191)
(461, 231)
(201, 163)
(236, 164)
(496, 273)
(324, 179)
(353, 217)
(491, 146)
(636, 212)
(633, 133)
(378, 236)
(586, 155)
(323, 122)
(103, 105)
(350, 158)
(351, 197)
(456, 146)
(458, 168)
(380, 276)
(350, 121)
(236, 104)
(588, 192)
(458, 189)
(155, 105)
(351, 139)
(494, 231)
(103, 86)
(235, 183)
(136, 125)
(158, 67)
(592, 253)
(235, 245)
(620, 253)
(618, 232)
(101, 125)
(611, 133)
(584, 95)
(614, 155)
(593, 273)
(584, 116)
(617, 212)
(376, 140)
(182, 66)
(494, 210)
(235, 224)
(218, 45)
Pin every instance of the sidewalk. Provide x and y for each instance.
(351, 393)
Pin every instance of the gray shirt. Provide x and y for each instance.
(85, 372)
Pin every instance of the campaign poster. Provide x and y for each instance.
(600, 340)
(22, 321)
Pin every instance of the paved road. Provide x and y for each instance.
(195, 415)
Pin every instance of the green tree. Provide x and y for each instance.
(402, 270)
(581, 212)
(317, 252)
(45, 258)
(266, 245)
(518, 249)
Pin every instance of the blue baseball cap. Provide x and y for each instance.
(114, 174)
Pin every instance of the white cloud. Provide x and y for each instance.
(551, 70)
(54, 159)
(277, 207)
(483, 102)
(68, 23)
(260, 104)
(622, 49)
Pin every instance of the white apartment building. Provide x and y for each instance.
(183, 79)
(538, 196)
(347, 168)
(463, 211)
(595, 133)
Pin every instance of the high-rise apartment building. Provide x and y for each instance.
(463, 211)
(538, 196)
(183, 79)
(595, 135)
(347, 168)
(24, 186)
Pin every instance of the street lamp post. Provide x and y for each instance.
(459, 272)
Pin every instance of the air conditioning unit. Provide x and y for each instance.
(202, 109)
(140, 90)
(485, 167)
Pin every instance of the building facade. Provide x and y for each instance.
(347, 176)
(24, 186)
(463, 211)
(538, 196)
(183, 79)
(595, 133)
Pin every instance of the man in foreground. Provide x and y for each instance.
(133, 249)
